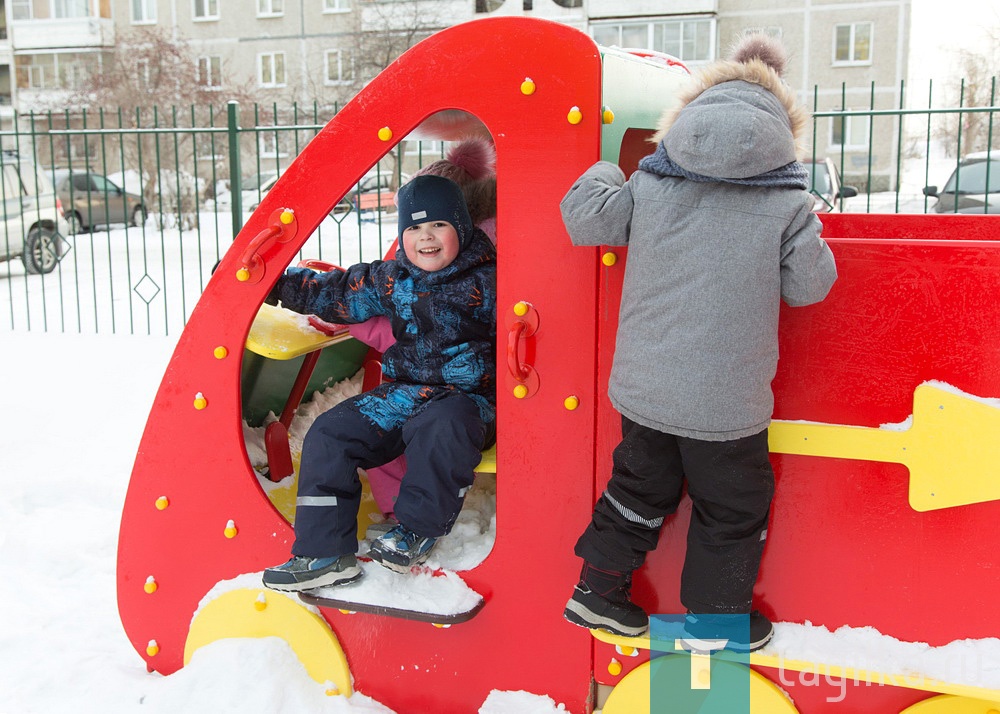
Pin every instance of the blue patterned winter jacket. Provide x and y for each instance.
(444, 323)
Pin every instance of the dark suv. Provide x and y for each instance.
(33, 224)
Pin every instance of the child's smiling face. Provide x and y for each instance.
(432, 245)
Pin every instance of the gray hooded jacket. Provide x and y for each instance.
(713, 249)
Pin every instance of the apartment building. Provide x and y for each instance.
(845, 54)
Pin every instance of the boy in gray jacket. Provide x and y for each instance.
(720, 229)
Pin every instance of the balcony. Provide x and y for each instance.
(74, 33)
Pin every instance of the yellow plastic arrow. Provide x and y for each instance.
(952, 448)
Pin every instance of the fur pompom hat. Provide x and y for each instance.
(471, 163)
(434, 198)
(756, 58)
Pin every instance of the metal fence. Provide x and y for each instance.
(139, 247)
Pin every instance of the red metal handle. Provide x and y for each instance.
(518, 370)
(281, 228)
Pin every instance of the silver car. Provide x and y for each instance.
(33, 223)
(974, 186)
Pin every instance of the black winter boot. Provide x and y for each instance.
(601, 600)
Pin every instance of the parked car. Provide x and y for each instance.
(253, 197)
(373, 192)
(973, 187)
(33, 223)
(827, 187)
(90, 199)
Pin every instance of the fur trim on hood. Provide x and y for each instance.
(754, 70)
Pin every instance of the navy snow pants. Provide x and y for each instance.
(443, 442)
(730, 483)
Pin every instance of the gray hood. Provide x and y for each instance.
(733, 114)
(730, 105)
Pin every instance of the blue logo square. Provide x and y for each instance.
(696, 666)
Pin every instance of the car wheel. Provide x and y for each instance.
(41, 251)
(75, 223)
(139, 215)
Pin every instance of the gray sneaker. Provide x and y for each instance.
(302, 573)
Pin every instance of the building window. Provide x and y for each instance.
(850, 133)
(852, 43)
(206, 9)
(690, 40)
(54, 71)
(210, 72)
(339, 66)
(271, 69)
(143, 12)
(336, 5)
(62, 9)
(21, 10)
(270, 8)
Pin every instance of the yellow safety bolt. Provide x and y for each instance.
(528, 86)
(199, 401)
(385, 133)
(220, 352)
(609, 258)
(161, 503)
(575, 116)
(520, 391)
(153, 648)
(150, 585)
(607, 116)
(521, 308)
(614, 667)
(231, 530)
(571, 402)
(287, 216)
(260, 604)
(242, 275)
(331, 690)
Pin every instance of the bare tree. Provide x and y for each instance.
(978, 85)
(153, 80)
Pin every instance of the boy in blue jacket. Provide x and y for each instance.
(439, 294)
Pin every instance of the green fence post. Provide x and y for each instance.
(235, 175)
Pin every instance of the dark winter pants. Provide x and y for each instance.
(443, 443)
(730, 484)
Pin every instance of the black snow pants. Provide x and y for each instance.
(443, 442)
(730, 484)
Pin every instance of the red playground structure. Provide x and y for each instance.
(884, 441)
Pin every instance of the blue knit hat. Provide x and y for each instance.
(434, 198)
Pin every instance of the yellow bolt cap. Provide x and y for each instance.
(220, 352)
(162, 502)
(287, 216)
(385, 133)
(260, 604)
(242, 275)
(527, 86)
(231, 530)
(199, 401)
(571, 402)
(609, 258)
(153, 648)
(614, 667)
(627, 651)
(331, 690)
(521, 308)
(607, 116)
(575, 116)
(520, 391)
(150, 585)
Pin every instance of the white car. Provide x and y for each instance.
(33, 223)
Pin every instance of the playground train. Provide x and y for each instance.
(884, 441)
